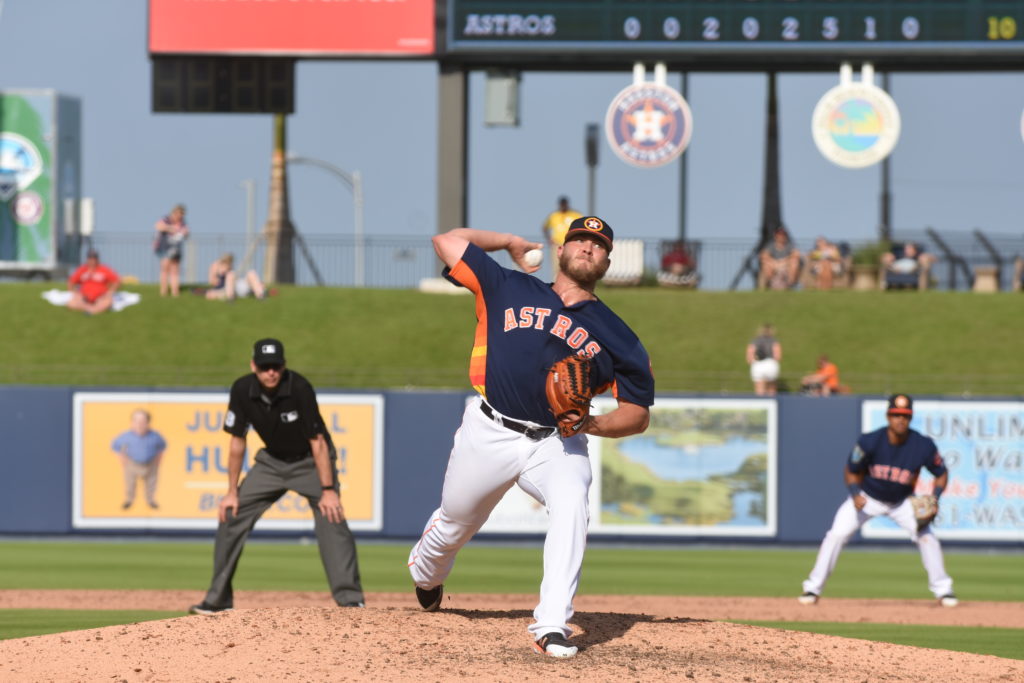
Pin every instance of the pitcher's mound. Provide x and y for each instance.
(470, 639)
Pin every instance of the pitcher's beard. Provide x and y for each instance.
(585, 276)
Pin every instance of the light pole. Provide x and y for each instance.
(354, 181)
(250, 219)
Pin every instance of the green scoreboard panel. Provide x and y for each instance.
(969, 33)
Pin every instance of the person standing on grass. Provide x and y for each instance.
(171, 233)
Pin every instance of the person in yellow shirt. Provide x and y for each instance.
(555, 227)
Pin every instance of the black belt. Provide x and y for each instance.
(534, 433)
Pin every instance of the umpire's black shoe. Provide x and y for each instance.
(207, 610)
(430, 598)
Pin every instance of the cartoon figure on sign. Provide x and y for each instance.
(140, 450)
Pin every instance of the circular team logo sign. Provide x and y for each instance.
(648, 125)
(27, 208)
(855, 125)
(20, 164)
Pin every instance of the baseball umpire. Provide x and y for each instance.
(510, 433)
(280, 404)
(880, 474)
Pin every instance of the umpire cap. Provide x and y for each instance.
(268, 351)
(900, 404)
(593, 226)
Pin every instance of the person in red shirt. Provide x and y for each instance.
(92, 285)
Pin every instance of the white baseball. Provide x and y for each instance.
(533, 257)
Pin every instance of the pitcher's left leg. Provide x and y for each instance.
(558, 476)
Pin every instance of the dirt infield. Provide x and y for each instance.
(303, 637)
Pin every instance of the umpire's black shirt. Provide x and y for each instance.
(286, 420)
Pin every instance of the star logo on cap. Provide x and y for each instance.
(593, 223)
(901, 402)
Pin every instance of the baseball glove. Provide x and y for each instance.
(925, 509)
(569, 392)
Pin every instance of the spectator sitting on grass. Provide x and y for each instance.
(907, 266)
(823, 382)
(780, 262)
(677, 268)
(226, 285)
(825, 263)
(92, 285)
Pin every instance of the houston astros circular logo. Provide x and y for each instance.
(594, 224)
(855, 125)
(648, 124)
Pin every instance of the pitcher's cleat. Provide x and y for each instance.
(430, 598)
(554, 644)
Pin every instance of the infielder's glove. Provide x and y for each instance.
(569, 392)
(925, 509)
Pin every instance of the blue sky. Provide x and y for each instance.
(959, 163)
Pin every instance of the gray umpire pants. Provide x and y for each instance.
(268, 480)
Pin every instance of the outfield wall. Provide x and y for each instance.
(710, 470)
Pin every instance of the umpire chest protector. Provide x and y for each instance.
(286, 420)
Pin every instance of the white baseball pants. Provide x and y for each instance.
(849, 519)
(486, 460)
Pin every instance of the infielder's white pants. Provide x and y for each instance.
(486, 460)
(849, 519)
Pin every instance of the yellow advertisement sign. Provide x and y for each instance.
(182, 488)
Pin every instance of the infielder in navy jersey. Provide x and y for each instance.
(508, 434)
(880, 473)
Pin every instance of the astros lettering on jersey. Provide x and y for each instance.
(513, 350)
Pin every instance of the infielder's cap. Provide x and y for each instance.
(591, 225)
(92, 253)
(900, 404)
(268, 351)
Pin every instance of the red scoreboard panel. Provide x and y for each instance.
(293, 28)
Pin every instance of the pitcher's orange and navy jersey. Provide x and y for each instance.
(523, 328)
(891, 470)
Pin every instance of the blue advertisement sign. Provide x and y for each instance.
(982, 443)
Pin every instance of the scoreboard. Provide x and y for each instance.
(970, 33)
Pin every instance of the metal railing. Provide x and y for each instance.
(403, 261)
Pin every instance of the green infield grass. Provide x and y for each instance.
(927, 342)
(1001, 642)
(22, 623)
(486, 568)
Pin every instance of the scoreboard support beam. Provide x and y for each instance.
(452, 164)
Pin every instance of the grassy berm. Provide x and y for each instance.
(926, 343)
